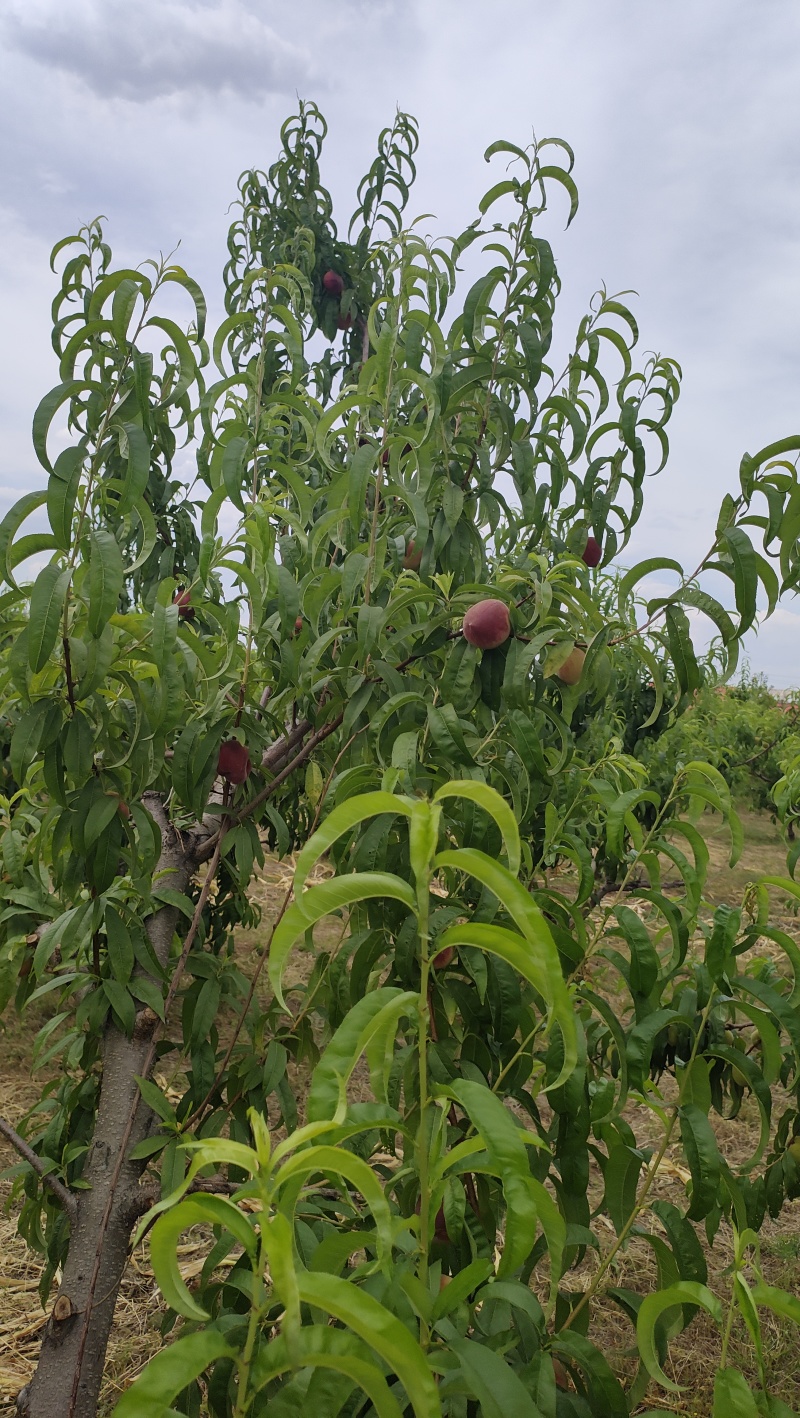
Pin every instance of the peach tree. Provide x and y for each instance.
(345, 581)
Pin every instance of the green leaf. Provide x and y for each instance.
(500, 1392)
(46, 412)
(606, 1394)
(461, 1286)
(337, 1161)
(624, 803)
(233, 470)
(745, 575)
(103, 809)
(380, 1330)
(733, 1397)
(192, 1211)
(122, 308)
(169, 1372)
(500, 189)
(641, 1040)
(644, 961)
(105, 579)
(492, 803)
(779, 1301)
(47, 603)
(524, 911)
(503, 1141)
(11, 524)
(137, 448)
(557, 174)
(367, 1018)
(277, 1240)
(478, 300)
(99, 657)
(687, 1292)
(62, 492)
(681, 649)
(518, 951)
(641, 569)
(155, 1100)
(702, 1155)
(321, 1347)
(691, 596)
(187, 365)
(343, 819)
(361, 465)
(319, 901)
(27, 737)
(121, 1003)
(180, 277)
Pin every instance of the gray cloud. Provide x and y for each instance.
(160, 48)
(686, 130)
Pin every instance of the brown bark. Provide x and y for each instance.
(70, 1369)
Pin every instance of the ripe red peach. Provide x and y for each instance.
(183, 600)
(487, 624)
(333, 283)
(234, 761)
(593, 552)
(413, 558)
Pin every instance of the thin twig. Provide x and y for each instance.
(61, 1192)
(68, 672)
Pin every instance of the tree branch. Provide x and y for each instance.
(61, 1192)
(214, 1186)
(283, 746)
(305, 752)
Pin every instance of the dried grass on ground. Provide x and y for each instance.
(693, 1355)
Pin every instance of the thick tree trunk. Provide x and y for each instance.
(68, 1377)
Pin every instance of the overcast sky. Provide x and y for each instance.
(685, 119)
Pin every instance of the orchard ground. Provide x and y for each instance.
(693, 1356)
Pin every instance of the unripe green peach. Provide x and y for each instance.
(572, 668)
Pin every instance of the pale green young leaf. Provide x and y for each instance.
(321, 1347)
(369, 1017)
(169, 1372)
(373, 1323)
(318, 901)
(490, 800)
(343, 819)
(687, 1292)
(192, 1211)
